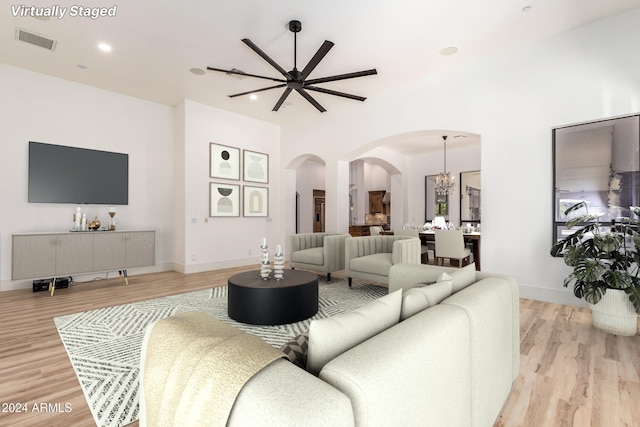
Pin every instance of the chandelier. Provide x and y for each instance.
(445, 182)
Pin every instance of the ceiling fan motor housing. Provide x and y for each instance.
(295, 26)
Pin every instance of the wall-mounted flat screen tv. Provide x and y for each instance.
(60, 174)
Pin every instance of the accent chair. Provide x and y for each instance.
(322, 252)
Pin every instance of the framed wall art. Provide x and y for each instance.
(224, 199)
(255, 201)
(256, 167)
(224, 162)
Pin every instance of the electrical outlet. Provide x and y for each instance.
(193, 257)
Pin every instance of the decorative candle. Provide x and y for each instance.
(278, 249)
(264, 243)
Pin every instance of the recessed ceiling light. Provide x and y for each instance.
(526, 8)
(449, 50)
(197, 71)
(253, 96)
(82, 67)
(104, 47)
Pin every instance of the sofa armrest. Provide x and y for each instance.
(406, 251)
(334, 251)
(282, 394)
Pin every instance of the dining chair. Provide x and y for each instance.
(413, 232)
(450, 244)
(375, 230)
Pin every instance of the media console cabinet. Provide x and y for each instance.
(51, 255)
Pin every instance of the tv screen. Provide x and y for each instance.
(59, 174)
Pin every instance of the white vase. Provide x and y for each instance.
(615, 314)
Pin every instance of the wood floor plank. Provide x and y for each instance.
(570, 375)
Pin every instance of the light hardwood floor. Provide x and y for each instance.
(570, 375)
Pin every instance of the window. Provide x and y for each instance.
(599, 163)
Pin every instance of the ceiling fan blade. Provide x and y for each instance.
(286, 93)
(309, 98)
(342, 77)
(257, 90)
(266, 57)
(242, 73)
(333, 92)
(313, 63)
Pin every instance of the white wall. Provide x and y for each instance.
(512, 101)
(36, 107)
(218, 242)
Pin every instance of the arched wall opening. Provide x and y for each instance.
(305, 182)
(400, 165)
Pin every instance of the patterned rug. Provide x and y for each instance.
(104, 345)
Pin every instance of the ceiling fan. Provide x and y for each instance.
(295, 79)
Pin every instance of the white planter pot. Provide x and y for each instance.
(615, 314)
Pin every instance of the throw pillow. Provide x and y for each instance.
(330, 337)
(462, 278)
(418, 299)
(296, 350)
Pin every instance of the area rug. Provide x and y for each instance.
(104, 345)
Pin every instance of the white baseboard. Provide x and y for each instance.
(558, 296)
(217, 265)
(15, 285)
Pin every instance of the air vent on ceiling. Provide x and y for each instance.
(35, 39)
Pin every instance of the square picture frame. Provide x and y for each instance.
(256, 167)
(255, 201)
(224, 161)
(224, 200)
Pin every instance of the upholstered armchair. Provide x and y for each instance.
(322, 252)
(371, 257)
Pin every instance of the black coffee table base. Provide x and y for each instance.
(272, 302)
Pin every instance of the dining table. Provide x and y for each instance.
(472, 238)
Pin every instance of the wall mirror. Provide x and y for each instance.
(434, 204)
(470, 197)
(596, 162)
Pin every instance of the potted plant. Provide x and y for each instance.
(606, 267)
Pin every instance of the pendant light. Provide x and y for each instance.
(445, 182)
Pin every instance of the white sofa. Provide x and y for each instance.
(322, 252)
(449, 364)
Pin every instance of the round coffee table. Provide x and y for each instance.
(272, 302)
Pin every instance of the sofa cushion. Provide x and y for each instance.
(419, 298)
(374, 264)
(462, 278)
(330, 337)
(309, 256)
(297, 349)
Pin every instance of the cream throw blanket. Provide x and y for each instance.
(193, 367)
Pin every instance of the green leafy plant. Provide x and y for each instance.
(601, 260)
